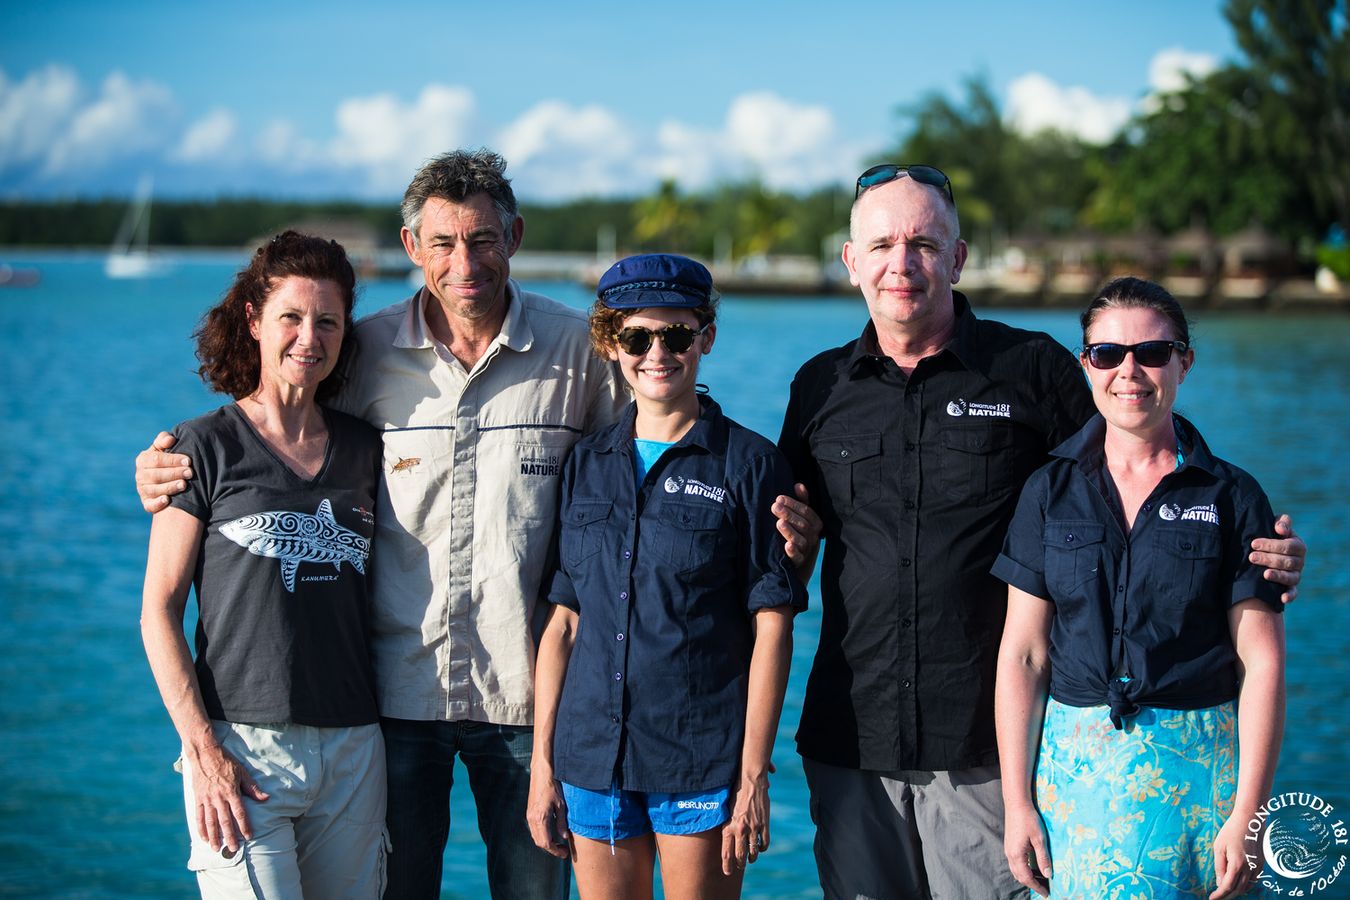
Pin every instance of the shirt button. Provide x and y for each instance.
(904, 563)
(909, 447)
(614, 719)
(627, 554)
(905, 622)
(843, 454)
(1148, 506)
(1068, 538)
(619, 636)
(618, 676)
(1115, 631)
(909, 504)
(905, 683)
(623, 595)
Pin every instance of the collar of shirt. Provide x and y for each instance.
(1088, 449)
(515, 333)
(964, 344)
(709, 432)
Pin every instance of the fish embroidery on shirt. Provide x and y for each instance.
(293, 538)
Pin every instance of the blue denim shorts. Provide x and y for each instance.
(616, 814)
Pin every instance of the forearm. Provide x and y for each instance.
(1019, 710)
(769, 664)
(550, 672)
(171, 664)
(1261, 701)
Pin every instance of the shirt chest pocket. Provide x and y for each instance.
(1074, 557)
(687, 535)
(1185, 564)
(582, 533)
(976, 462)
(850, 466)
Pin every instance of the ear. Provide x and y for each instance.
(252, 321)
(1187, 360)
(517, 232)
(962, 252)
(850, 263)
(410, 246)
(708, 337)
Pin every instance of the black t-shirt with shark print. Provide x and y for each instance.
(281, 578)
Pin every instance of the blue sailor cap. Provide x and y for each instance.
(655, 279)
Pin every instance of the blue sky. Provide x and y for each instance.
(344, 100)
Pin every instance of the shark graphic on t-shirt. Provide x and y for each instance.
(294, 537)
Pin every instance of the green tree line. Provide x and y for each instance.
(1263, 140)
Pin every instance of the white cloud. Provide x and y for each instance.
(788, 146)
(555, 151)
(34, 113)
(1036, 103)
(1168, 69)
(211, 137)
(126, 118)
(389, 139)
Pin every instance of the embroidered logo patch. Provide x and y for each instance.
(678, 484)
(961, 407)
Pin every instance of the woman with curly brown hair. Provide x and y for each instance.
(283, 763)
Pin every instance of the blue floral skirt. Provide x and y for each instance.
(1134, 813)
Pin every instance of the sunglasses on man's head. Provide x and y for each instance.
(889, 172)
(636, 340)
(1154, 354)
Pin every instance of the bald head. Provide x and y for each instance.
(905, 190)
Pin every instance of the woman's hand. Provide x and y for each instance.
(219, 785)
(746, 836)
(546, 814)
(1230, 860)
(1024, 843)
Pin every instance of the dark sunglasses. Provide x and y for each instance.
(1154, 354)
(636, 340)
(889, 172)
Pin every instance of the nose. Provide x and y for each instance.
(1129, 365)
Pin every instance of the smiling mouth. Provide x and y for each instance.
(305, 360)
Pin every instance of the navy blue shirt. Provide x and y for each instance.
(665, 578)
(1141, 618)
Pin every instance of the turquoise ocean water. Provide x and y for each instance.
(91, 369)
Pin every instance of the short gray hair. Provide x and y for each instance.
(456, 176)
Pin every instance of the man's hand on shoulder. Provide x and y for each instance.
(1283, 556)
(800, 527)
(159, 474)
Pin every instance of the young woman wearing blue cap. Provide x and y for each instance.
(661, 669)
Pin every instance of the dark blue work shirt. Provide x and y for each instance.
(1141, 618)
(666, 579)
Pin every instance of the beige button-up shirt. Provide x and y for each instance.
(469, 498)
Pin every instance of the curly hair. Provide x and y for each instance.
(230, 361)
(606, 323)
(456, 176)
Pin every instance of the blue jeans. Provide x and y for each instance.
(421, 761)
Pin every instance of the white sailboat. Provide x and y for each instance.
(130, 255)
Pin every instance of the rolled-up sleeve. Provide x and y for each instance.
(1022, 562)
(768, 575)
(1253, 518)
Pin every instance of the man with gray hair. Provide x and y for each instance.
(479, 389)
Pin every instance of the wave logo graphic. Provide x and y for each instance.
(674, 484)
(956, 408)
(1302, 840)
(294, 538)
(1169, 512)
